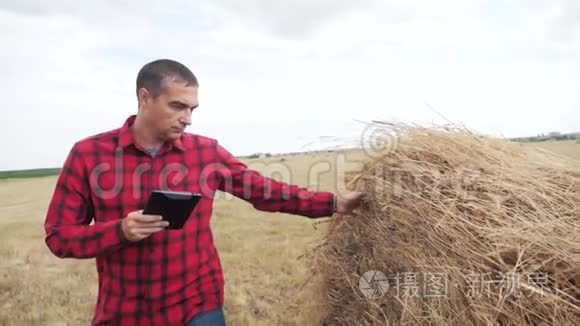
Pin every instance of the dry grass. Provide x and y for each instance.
(263, 273)
(462, 223)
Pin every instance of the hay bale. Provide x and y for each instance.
(467, 230)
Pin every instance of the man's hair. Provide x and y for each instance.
(153, 75)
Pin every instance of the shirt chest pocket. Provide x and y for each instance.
(178, 177)
(115, 193)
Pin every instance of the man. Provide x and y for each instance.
(149, 275)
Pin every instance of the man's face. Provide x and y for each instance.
(169, 113)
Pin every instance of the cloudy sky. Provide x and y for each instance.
(276, 76)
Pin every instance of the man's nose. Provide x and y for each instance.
(186, 118)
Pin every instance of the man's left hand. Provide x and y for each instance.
(346, 202)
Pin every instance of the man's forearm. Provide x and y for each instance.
(267, 194)
(84, 241)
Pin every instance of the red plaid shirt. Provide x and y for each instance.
(169, 277)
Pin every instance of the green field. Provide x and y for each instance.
(32, 173)
(565, 147)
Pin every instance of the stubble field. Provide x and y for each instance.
(259, 251)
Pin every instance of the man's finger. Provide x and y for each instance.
(147, 218)
(146, 226)
(143, 233)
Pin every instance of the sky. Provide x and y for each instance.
(286, 76)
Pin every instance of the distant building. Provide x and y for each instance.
(554, 134)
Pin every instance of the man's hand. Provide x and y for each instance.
(137, 226)
(348, 201)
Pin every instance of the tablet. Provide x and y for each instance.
(174, 206)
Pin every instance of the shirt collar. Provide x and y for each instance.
(126, 136)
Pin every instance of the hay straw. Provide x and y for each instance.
(497, 222)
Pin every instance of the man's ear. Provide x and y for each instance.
(143, 96)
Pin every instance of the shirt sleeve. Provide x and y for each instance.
(267, 194)
(70, 212)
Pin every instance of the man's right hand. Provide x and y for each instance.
(137, 226)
